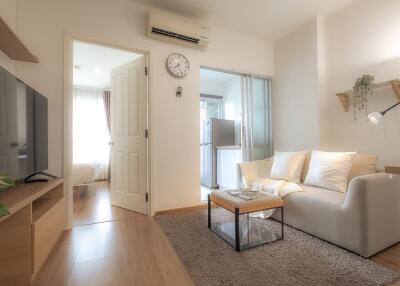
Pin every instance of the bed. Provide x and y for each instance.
(82, 175)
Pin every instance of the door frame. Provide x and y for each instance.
(67, 117)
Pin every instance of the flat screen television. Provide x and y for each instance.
(23, 128)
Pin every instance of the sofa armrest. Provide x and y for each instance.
(250, 171)
(372, 209)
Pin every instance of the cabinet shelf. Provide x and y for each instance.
(12, 46)
(41, 206)
(394, 84)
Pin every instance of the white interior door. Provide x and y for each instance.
(128, 140)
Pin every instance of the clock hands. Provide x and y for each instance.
(179, 67)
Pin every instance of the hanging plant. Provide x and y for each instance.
(362, 89)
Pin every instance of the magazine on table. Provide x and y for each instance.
(247, 194)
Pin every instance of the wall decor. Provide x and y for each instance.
(177, 65)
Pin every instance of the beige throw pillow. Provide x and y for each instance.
(288, 166)
(330, 170)
(363, 164)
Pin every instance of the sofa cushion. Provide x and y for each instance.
(363, 164)
(330, 170)
(255, 171)
(288, 166)
(317, 195)
(305, 166)
(316, 211)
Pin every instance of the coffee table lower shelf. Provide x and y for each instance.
(245, 231)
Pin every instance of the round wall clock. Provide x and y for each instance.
(177, 65)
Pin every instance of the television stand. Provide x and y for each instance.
(29, 180)
(28, 234)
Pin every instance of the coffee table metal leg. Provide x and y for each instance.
(209, 212)
(282, 221)
(237, 238)
(248, 229)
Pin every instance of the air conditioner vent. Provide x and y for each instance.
(177, 30)
(174, 35)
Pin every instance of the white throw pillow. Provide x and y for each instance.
(288, 166)
(330, 170)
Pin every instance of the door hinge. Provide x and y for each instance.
(146, 133)
(147, 197)
(146, 70)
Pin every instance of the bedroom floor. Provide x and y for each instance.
(94, 206)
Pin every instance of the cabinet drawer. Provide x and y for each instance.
(47, 226)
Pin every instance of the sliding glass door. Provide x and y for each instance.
(235, 125)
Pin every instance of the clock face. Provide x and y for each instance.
(178, 65)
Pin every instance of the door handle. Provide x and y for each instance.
(14, 144)
(110, 143)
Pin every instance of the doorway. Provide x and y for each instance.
(235, 125)
(109, 119)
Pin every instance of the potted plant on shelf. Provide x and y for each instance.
(5, 183)
(362, 89)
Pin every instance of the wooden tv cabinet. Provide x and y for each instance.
(31, 230)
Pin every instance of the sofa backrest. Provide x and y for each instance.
(363, 164)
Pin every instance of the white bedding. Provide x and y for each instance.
(83, 174)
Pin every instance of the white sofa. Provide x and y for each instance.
(364, 220)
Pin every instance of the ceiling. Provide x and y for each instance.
(269, 19)
(93, 64)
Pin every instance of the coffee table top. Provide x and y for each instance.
(230, 202)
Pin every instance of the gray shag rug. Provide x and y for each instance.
(299, 259)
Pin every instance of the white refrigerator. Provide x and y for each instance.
(217, 132)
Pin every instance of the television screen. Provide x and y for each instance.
(23, 128)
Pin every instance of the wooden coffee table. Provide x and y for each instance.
(231, 232)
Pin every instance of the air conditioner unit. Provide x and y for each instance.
(175, 30)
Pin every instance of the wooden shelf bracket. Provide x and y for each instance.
(12, 46)
(344, 96)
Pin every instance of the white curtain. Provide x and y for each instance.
(257, 132)
(90, 131)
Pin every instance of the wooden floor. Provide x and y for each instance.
(129, 249)
(390, 258)
(94, 206)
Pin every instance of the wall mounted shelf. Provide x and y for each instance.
(394, 84)
(12, 46)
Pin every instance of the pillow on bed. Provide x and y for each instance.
(330, 170)
(288, 166)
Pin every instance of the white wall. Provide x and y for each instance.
(326, 56)
(175, 158)
(295, 90)
(363, 38)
